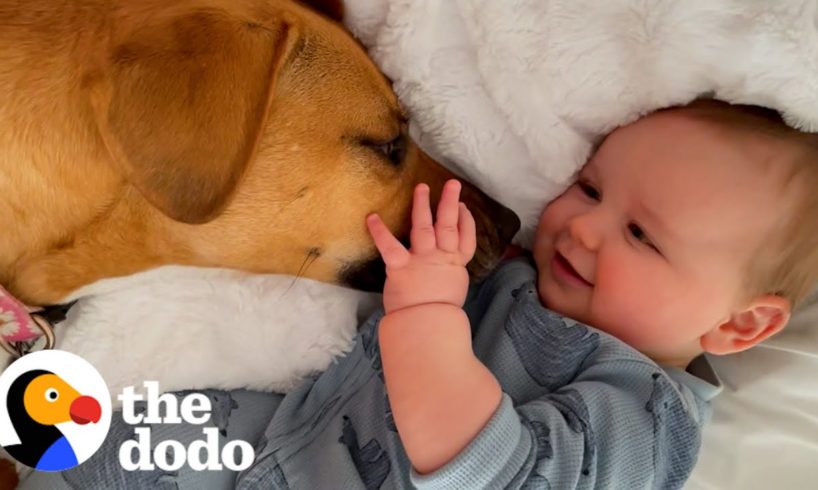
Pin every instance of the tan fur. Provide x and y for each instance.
(203, 132)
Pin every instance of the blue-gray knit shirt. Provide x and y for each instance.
(580, 409)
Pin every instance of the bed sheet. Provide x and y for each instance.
(764, 431)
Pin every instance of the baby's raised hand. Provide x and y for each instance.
(433, 270)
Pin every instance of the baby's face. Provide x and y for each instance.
(652, 243)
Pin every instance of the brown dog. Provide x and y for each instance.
(252, 134)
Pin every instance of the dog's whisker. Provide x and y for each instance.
(312, 256)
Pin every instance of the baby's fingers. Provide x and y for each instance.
(392, 251)
(446, 226)
(422, 234)
(468, 233)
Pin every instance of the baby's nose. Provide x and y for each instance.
(585, 230)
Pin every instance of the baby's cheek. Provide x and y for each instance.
(631, 303)
(555, 215)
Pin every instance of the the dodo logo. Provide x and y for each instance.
(55, 410)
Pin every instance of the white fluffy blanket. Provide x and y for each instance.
(513, 93)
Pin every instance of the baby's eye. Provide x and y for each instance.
(588, 190)
(637, 232)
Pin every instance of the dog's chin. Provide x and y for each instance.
(365, 275)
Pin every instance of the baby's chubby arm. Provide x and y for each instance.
(441, 395)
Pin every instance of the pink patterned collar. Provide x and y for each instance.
(21, 325)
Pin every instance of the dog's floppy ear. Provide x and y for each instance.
(181, 101)
(334, 9)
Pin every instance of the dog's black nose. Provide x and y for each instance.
(368, 275)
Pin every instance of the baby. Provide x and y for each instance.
(686, 233)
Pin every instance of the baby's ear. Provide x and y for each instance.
(764, 317)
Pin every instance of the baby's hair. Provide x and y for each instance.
(788, 263)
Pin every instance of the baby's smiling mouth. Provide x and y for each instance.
(564, 269)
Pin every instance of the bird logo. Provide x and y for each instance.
(51, 416)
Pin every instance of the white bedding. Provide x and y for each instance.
(764, 432)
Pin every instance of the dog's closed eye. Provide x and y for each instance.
(393, 150)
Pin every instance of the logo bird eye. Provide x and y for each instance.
(52, 395)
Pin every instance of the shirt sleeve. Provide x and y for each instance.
(618, 424)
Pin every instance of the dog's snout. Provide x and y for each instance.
(496, 227)
(498, 220)
(368, 275)
(508, 224)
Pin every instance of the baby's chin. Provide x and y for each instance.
(554, 299)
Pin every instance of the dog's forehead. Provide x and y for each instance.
(327, 61)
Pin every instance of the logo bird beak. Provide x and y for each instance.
(85, 409)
